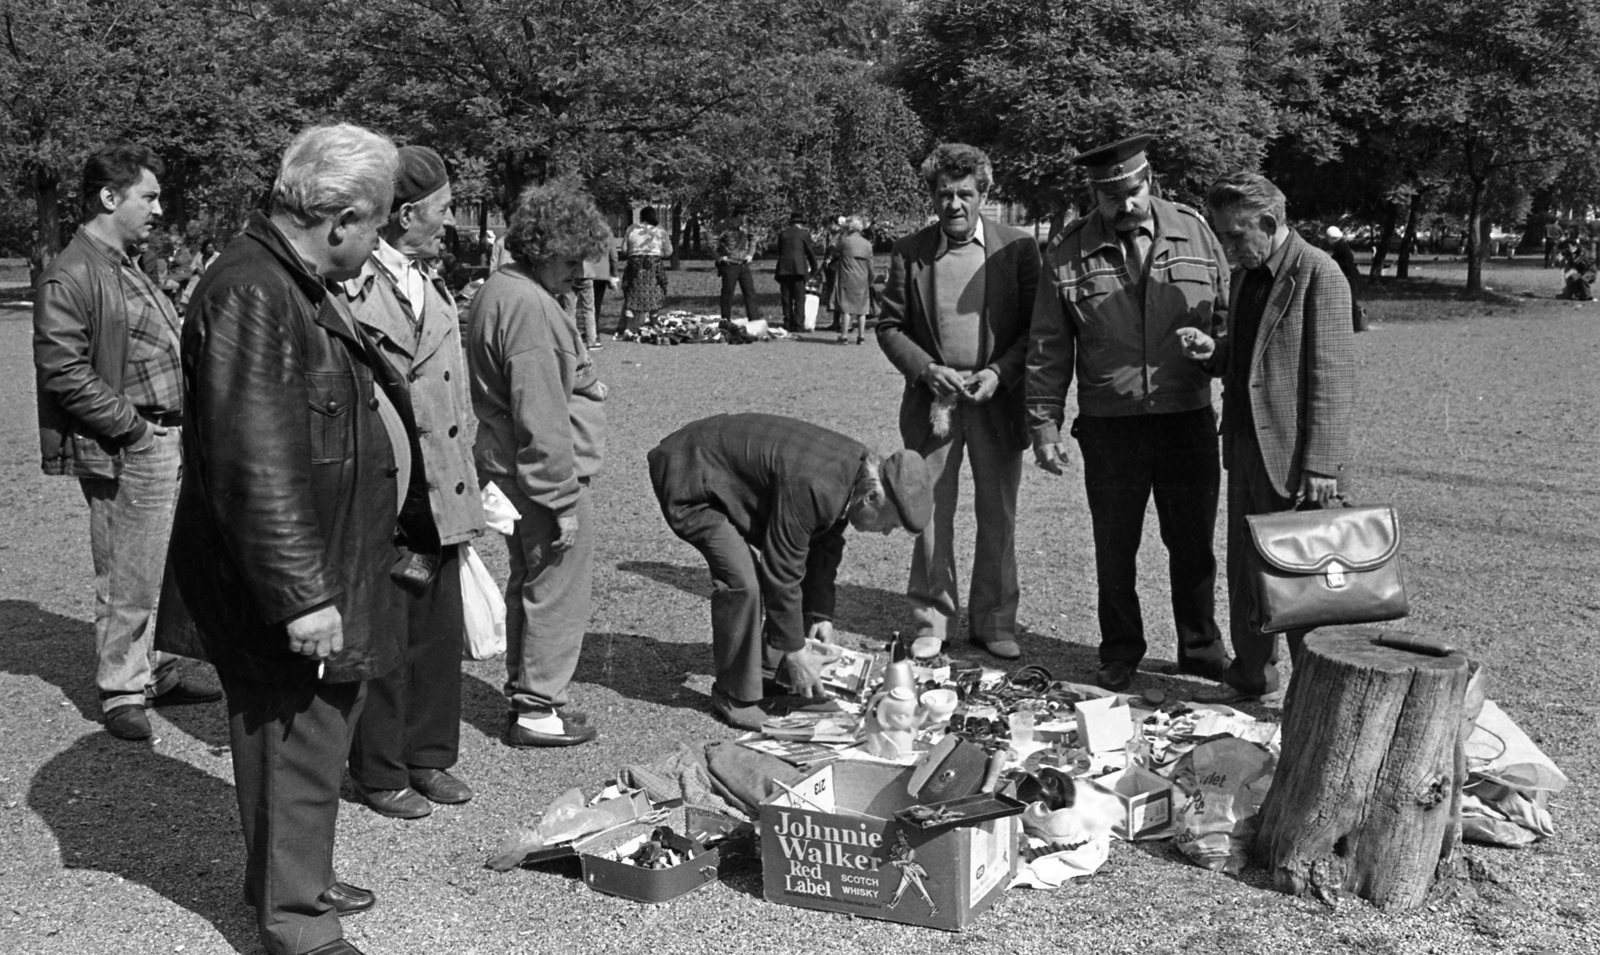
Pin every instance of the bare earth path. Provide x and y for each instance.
(1478, 421)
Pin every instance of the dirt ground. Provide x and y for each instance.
(1476, 420)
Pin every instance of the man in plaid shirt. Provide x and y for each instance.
(105, 347)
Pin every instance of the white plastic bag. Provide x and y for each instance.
(484, 609)
(498, 511)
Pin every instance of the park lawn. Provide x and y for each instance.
(1475, 419)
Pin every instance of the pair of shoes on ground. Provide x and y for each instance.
(130, 722)
(575, 729)
(749, 716)
(1006, 648)
(428, 786)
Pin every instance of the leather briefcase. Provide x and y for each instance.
(1326, 567)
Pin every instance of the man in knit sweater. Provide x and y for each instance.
(955, 323)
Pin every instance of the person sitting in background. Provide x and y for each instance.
(541, 436)
(645, 247)
(1577, 269)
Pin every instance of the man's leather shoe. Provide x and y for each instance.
(744, 716)
(1115, 676)
(348, 899)
(437, 785)
(1004, 648)
(1215, 670)
(518, 736)
(128, 722)
(338, 946)
(923, 648)
(187, 691)
(404, 803)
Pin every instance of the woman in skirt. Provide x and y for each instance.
(645, 246)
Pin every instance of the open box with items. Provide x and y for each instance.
(660, 860)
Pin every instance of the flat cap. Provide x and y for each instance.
(1115, 162)
(421, 174)
(905, 478)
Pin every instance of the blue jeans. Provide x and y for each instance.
(130, 520)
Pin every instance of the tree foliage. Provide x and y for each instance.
(1036, 83)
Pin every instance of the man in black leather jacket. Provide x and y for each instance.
(283, 540)
(105, 348)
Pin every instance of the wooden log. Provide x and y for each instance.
(1367, 795)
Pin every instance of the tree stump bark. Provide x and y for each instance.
(1367, 795)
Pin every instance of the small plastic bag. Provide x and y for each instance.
(484, 609)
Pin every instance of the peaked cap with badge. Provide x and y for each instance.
(1117, 162)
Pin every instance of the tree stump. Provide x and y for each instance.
(1367, 795)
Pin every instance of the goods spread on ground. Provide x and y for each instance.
(923, 790)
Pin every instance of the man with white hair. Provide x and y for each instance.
(283, 539)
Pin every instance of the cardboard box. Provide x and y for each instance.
(1103, 724)
(1146, 801)
(614, 877)
(834, 844)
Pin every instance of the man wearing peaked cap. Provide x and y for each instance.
(766, 501)
(1115, 288)
(408, 737)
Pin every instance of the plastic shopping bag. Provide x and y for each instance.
(485, 609)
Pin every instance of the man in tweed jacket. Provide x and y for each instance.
(1288, 369)
(766, 501)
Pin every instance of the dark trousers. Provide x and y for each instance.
(289, 748)
(1250, 491)
(738, 273)
(792, 296)
(412, 719)
(1125, 461)
(737, 614)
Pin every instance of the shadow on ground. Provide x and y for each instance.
(858, 609)
(632, 665)
(60, 651)
(189, 850)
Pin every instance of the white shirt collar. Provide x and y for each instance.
(944, 240)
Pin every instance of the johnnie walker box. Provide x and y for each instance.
(833, 844)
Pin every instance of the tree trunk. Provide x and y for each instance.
(1391, 216)
(1476, 234)
(1367, 794)
(1408, 244)
(677, 235)
(47, 206)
